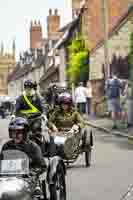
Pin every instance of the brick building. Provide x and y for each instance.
(93, 17)
(53, 25)
(36, 37)
(95, 27)
(35, 62)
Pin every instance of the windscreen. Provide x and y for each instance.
(14, 162)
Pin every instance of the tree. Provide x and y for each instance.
(78, 64)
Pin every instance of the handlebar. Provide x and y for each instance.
(36, 172)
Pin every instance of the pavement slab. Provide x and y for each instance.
(106, 124)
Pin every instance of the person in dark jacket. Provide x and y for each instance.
(29, 103)
(18, 129)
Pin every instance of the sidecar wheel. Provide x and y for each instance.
(58, 189)
(88, 158)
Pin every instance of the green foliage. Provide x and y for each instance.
(131, 56)
(78, 64)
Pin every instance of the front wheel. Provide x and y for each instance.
(58, 189)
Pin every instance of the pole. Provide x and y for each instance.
(105, 31)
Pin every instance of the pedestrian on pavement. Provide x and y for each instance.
(124, 107)
(89, 97)
(80, 98)
(113, 89)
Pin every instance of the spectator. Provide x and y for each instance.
(123, 100)
(89, 97)
(113, 89)
(80, 98)
(2, 112)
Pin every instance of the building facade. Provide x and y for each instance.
(28, 70)
(36, 62)
(108, 29)
(7, 63)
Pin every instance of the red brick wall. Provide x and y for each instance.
(35, 35)
(116, 9)
(95, 29)
(53, 24)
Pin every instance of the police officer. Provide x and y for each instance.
(18, 130)
(28, 103)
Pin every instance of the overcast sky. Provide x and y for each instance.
(15, 17)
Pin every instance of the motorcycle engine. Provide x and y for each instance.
(14, 189)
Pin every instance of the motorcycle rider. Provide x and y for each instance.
(29, 104)
(18, 130)
(51, 99)
(65, 116)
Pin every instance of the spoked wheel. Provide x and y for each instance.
(58, 189)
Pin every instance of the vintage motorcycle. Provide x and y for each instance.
(73, 143)
(70, 143)
(18, 181)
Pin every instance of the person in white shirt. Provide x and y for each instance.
(80, 98)
(89, 97)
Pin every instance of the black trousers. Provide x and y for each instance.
(81, 108)
(88, 105)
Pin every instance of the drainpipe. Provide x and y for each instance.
(105, 23)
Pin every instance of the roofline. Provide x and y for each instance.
(127, 15)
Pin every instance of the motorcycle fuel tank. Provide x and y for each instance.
(14, 189)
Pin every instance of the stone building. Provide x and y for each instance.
(106, 20)
(35, 62)
(7, 63)
(31, 62)
(96, 18)
(57, 56)
(118, 43)
(32, 68)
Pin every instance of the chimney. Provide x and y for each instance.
(75, 7)
(53, 24)
(35, 34)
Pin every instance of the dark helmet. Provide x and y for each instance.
(65, 99)
(36, 126)
(28, 83)
(19, 123)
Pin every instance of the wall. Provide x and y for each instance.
(62, 66)
(119, 47)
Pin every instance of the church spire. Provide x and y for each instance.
(13, 48)
(2, 49)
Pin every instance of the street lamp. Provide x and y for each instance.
(105, 23)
